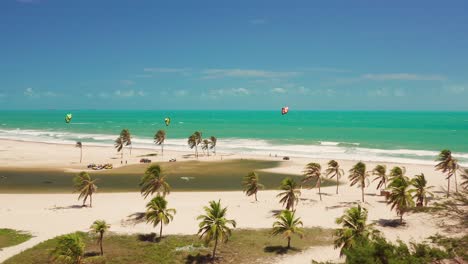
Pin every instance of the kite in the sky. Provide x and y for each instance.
(284, 110)
(167, 120)
(68, 118)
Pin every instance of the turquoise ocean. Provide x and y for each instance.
(407, 137)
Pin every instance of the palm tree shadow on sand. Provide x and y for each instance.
(279, 250)
(75, 206)
(133, 219)
(200, 259)
(390, 223)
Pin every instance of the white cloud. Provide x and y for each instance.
(103, 95)
(128, 93)
(303, 90)
(167, 70)
(246, 73)
(456, 89)
(29, 92)
(127, 82)
(278, 90)
(240, 91)
(325, 69)
(181, 93)
(234, 92)
(50, 94)
(258, 21)
(402, 76)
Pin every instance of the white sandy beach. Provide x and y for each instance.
(49, 215)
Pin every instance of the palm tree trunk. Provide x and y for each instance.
(162, 150)
(320, 193)
(289, 242)
(84, 201)
(131, 146)
(455, 177)
(214, 249)
(196, 151)
(90, 200)
(362, 193)
(448, 187)
(160, 230)
(100, 243)
(256, 196)
(401, 218)
(81, 154)
(337, 184)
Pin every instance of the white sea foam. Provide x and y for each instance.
(323, 150)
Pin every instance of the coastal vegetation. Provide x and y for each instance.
(159, 139)
(157, 213)
(290, 193)
(79, 145)
(85, 186)
(313, 172)
(100, 227)
(380, 173)
(10, 237)
(358, 175)
(215, 226)
(334, 171)
(245, 246)
(448, 165)
(154, 181)
(287, 225)
(251, 184)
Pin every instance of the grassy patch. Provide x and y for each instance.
(245, 246)
(182, 176)
(10, 237)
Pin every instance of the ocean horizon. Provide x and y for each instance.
(390, 136)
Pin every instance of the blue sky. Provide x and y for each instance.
(329, 55)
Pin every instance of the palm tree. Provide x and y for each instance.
(100, 227)
(400, 197)
(127, 138)
(194, 140)
(312, 171)
(334, 170)
(397, 172)
(447, 164)
(159, 139)
(214, 225)
(70, 249)
(213, 141)
(154, 181)
(158, 213)
(464, 176)
(251, 184)
(353, 227)
(80, 146)
(287, 225)
(380, 173)
(421, 191)
(358, 175)
(119, 145)
(206, 146)
(291, 194)
(85, 186)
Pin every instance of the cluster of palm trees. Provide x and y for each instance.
(214, 226)
(71, 248)
(123, 140)
(196, 139)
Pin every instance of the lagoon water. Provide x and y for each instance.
(408, 137)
